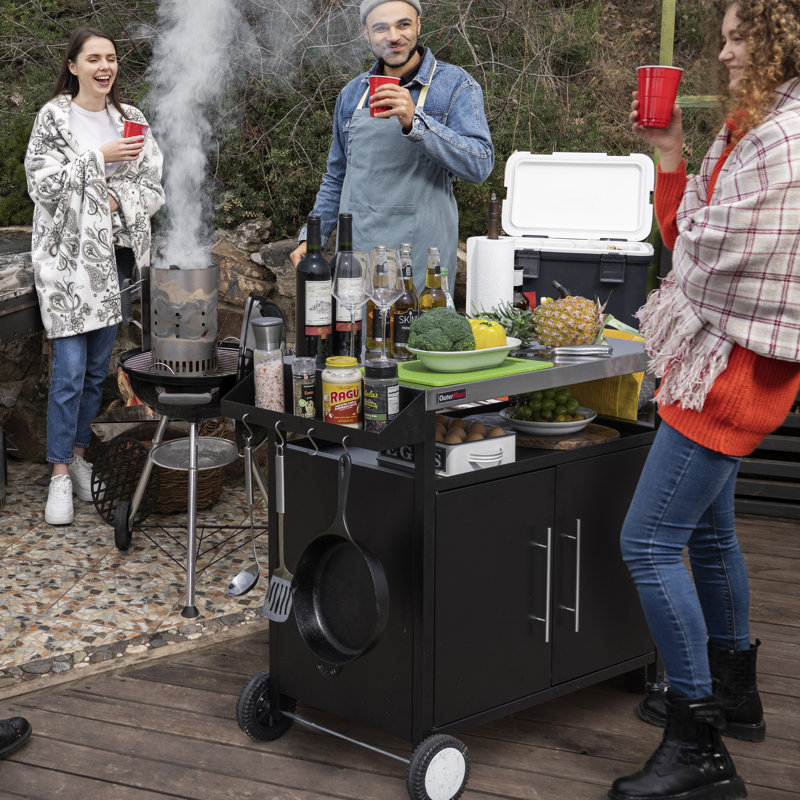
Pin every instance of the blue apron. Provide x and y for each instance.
(396, 193)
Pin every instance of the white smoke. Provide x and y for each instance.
(191, 66)
(202, 49)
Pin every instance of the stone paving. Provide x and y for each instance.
(71, 600)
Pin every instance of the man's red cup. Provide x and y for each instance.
(658, 88)
(376, 81)
(131, 128)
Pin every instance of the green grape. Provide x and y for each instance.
(572, 405)
(559, 410)
(548, 404)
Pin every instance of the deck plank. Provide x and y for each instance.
(167, 729)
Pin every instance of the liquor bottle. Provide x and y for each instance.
(519, 301)
(313, 298)
(406, 308)
(446, 287)
(374, 316)
(341, 315)
(432, 295)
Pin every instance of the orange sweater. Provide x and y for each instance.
(754, 394)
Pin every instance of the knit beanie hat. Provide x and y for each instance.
(368, 5)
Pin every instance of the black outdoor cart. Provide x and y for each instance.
(505, 585)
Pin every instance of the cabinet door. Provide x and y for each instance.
(598, 620)
(493, 613)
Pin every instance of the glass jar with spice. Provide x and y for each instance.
(268, 362)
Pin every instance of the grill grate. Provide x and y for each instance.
(227, 364)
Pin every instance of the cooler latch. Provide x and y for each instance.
(612, 267)
(529, 260)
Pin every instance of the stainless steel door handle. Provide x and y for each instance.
(548, 548)
(577, 607)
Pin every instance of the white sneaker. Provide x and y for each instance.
(58, 510)
(81, 473)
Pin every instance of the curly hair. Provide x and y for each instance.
(771, 29)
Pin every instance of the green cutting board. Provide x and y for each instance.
(413, 372)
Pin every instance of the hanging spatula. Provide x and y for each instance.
(279, 597)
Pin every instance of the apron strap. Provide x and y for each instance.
(420, 102)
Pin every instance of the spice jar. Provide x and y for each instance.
(304, 381)
(381, 394)
(268, 362)
(341, 391)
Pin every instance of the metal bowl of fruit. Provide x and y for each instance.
(552, 412)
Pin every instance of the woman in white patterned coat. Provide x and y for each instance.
(94, 193)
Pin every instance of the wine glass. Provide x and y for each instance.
(384, 284)
(349, 287)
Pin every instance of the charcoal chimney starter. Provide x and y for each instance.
(183, 319)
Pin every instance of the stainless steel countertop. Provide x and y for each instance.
(627, 357)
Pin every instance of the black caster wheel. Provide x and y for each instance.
(122, 527)
(439, 769)
(255, 712)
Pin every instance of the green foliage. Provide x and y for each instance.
(15, 205)
(556, 76)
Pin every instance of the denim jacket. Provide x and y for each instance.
(451, 129)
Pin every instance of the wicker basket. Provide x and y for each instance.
(173, 493)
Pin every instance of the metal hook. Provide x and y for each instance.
(344, 445)
(281, 437)
(311, 439)
(249, 429)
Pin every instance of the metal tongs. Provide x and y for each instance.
(577, 352)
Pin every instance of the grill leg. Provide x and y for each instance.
(190, 610)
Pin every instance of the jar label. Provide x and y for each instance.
(303, 396)
(381, 406)
(341, 402)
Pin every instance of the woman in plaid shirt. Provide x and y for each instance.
(723, 333)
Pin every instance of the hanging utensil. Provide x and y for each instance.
(279, 597)
(245, 580)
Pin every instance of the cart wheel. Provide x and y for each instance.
(255, 714)
(122, 527)
(439, 769)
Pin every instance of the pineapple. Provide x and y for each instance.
(567, 321)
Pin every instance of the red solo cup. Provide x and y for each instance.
(131, 128)
(375, 81)
(658, 88)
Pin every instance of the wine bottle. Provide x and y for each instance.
(519, 301)
(406, 308)
(343, 331)
(432, 295)
(313, 297)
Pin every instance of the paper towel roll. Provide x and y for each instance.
(490, 273)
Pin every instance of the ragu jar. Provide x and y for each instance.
(341, 391)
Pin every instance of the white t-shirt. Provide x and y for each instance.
(93, 129)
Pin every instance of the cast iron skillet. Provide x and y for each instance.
(340, 593)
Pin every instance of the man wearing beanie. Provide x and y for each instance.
(394, 171)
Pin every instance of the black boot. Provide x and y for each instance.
(691, 763)
(733, 675)
(14, 732)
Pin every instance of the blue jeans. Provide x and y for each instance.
(80, 365)
(684, 498)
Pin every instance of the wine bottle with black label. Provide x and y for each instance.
(343, 331)
(313, 299)
(406, 308)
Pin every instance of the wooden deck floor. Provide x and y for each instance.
(168, 730)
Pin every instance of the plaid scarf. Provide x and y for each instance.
(736, 265)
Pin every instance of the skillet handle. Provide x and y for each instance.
(343, 470)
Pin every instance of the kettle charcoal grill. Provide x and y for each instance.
(183, 377)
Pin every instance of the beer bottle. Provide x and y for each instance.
(432, 296)
(406, 308)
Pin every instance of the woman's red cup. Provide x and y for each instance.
(375, 82)
(131, 128)
(658, 88)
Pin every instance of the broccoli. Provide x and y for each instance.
(441, 329)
